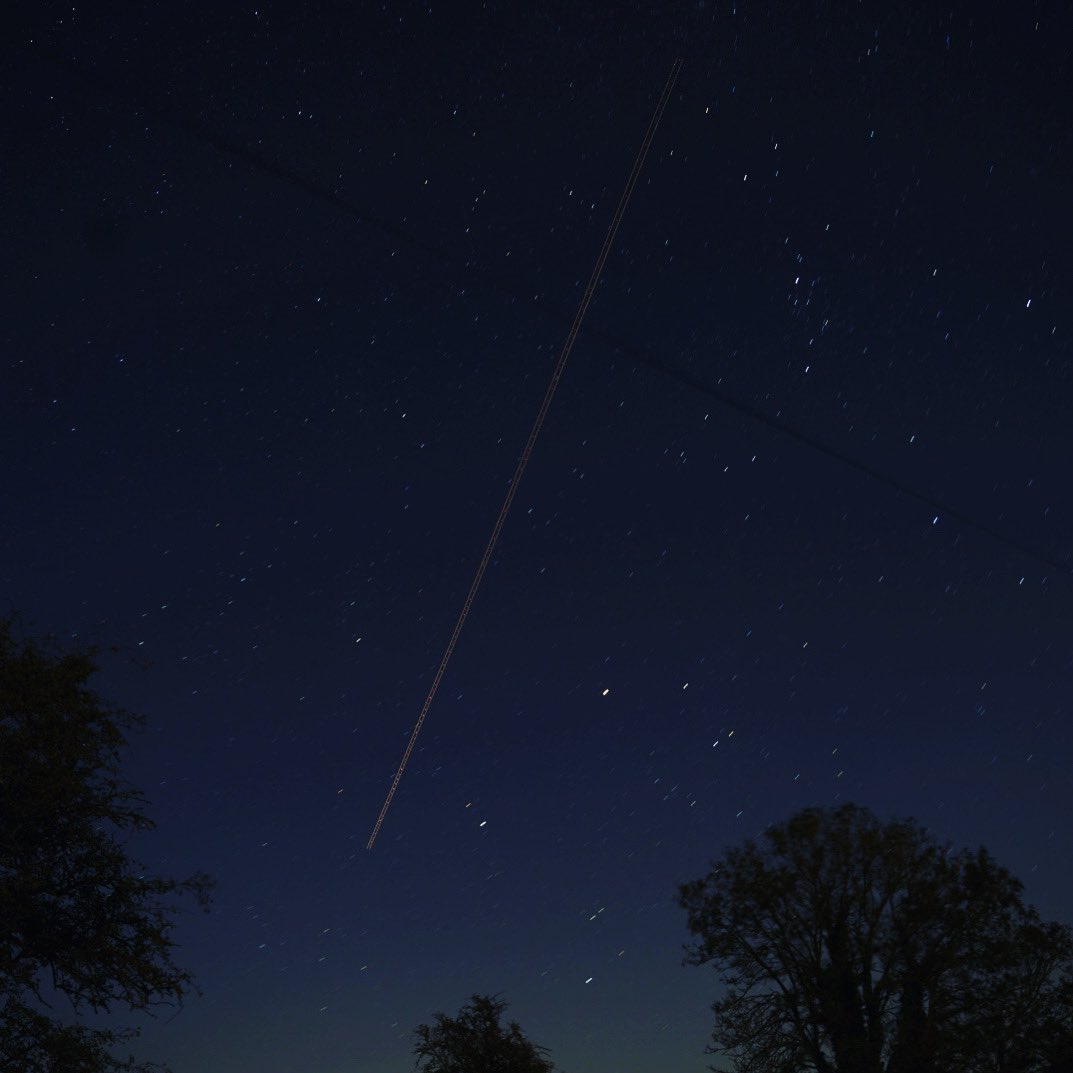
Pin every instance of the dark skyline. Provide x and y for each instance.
(286, 291)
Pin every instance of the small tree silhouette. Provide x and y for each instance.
(475, 1042)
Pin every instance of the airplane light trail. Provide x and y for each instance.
(542, 413)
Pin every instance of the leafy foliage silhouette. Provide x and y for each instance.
(475, 1042)
(81, 921)
(846, 945)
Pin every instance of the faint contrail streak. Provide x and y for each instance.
(542, 413)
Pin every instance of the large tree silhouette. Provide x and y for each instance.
(81, 922)
(846, 945)
(475, 1042)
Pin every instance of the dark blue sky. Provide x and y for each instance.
(287, 287)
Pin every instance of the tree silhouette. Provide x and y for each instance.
(850, 946)
(80, 920)
(475, 1042)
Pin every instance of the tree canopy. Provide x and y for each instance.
(80, 920)
(475, 1042)
(847, 945)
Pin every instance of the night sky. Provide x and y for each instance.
(282, 292)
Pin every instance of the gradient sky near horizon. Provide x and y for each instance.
(286, 287)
